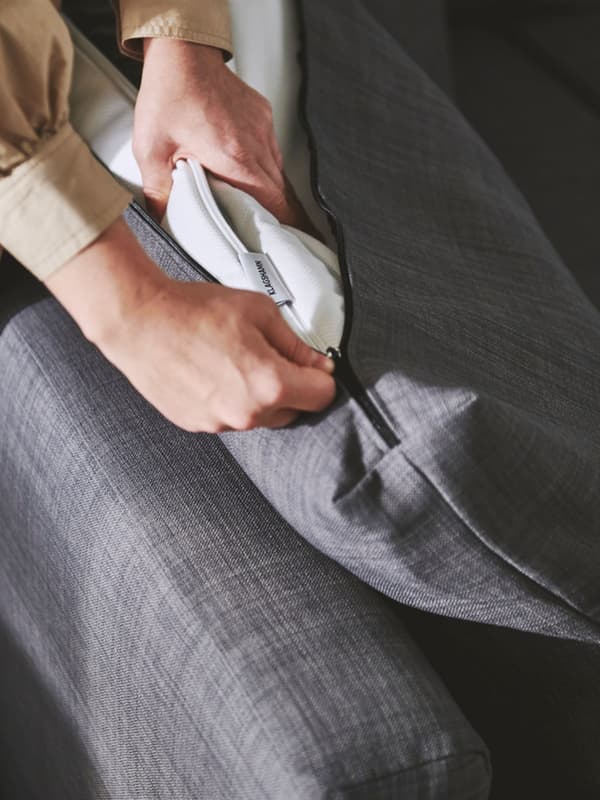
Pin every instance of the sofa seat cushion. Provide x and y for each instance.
(460, 473)
(176, 638)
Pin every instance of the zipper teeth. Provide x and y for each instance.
(331, 217)
(200, 182)
(161, 232)
(350, 380)
(209, 277)
(310, 338)
(347, 376)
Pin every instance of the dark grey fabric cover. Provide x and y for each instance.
(164, 634)
(473, 339)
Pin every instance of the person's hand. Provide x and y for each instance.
(215, 359)
(209, 358)
(190, 105)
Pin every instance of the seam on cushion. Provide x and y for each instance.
(116, 494)
(470, 758)
(387, 451)
(451, 507)
(387, 587)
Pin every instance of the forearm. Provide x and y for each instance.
(207, 357)
(107, 283)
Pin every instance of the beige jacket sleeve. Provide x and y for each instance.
(201, 21)
(55, 198)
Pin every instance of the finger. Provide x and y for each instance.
(282, 201)
(157, 183)
(268, 156)
(279, 418)
(300, 220)
(275, 150)
(283, 339)
(276, 195)
(270, 190)
(255, 180)
(305, 388)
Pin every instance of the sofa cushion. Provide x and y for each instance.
(457, 473)
(461, 475)
(165, 634)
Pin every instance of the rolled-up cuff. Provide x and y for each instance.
(207, 23)
(56, 203)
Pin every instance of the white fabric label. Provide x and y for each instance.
(263, 277)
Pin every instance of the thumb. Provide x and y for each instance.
(157, 183)
(283, 339)
(306, 389)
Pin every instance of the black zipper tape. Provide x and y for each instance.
(161, 232)
(344, 372)
(349, 381)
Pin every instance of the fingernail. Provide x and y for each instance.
(328, 364)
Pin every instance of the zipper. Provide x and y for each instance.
(141, 212)
(124, 86)
(286, 310)
(207, 198)
(344, 373)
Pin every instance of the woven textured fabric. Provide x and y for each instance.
(471, 337)
(166, 635)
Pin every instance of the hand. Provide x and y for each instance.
(207, 357)
(190, 105)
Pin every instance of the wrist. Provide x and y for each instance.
(182, 51)
(107, 284)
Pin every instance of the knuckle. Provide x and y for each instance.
(143, 149)
(277, 202)
(241, 155)
(154, 193)
(212, 426)
(245, 419)
(259, 308)
(267, 110)
(270, 388)
(183, 422)
(218, 427)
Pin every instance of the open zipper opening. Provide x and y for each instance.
(344, 372)
(288, 310)
(345, 375)
(201, 186)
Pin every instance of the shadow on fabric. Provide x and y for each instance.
(38, 744)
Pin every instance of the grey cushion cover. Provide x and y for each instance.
(473, 339)
(165, 634)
